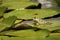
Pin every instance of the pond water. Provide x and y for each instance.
(48, 3)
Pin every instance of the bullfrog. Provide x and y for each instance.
(34, 23)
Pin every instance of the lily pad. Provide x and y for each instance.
(2, 9)
(29, 33)
(30, 14)
(7, 23)
(18, 3)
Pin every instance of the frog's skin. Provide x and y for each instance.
(32, 24)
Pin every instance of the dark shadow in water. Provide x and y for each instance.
(8, 10)
(1, 17)
(8, 35)
(34, 6)
(55, 16)
(56, 31)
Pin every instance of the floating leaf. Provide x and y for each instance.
(2, 9)
(32, 35)
(7, 22)
(18, 3)
(29, 14)
(25, 33)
